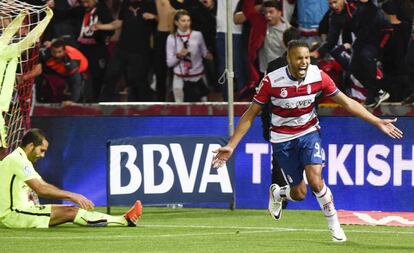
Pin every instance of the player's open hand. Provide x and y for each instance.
(387, 127)
(82, 201)
(222, 155)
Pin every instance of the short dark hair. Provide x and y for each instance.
(295, 44)
(272, 3)
(57, 43)
(35, 136)
(292, 33)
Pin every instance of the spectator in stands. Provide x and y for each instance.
(240, 73)
(185, 52)
(401, 14)
(393, 56)
(93, 43)
(132, 53)
(210, 68)
(265, 43)
(371, 29)
(339, 26)
(59, 62)
(335, 30)
(64, 23)
(288, 9)
(292, 33)
(165, 15)
(410, 58)
(309, 14)
(240, 19)
(201, 19)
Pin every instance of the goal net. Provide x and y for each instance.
(21, 26)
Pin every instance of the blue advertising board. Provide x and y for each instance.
(365, 169)
(162, 170)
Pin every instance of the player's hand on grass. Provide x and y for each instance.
(82, 201)
(222, 155)
(387, 127)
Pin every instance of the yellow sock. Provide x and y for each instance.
(97, 219)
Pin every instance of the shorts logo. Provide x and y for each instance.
(309, 89)
(283, 92)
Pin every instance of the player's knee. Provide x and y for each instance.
(70, 212)
(316, 186)
(298, 193)
(73, 211)
(315, 183)
(299, 197)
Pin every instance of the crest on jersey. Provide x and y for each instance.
(27, 170)
(309, 89)
(283, 92)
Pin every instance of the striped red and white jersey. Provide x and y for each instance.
(293, 103)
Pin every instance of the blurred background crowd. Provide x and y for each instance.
(174, 50)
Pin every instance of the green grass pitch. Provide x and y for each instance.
(210, 230)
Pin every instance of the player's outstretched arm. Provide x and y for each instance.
(46, 190)
(224, 153)
(352, 106)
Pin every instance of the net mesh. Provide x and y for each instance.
(17, 117)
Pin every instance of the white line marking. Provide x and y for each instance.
(108, 237)
(278, 229)
(238, 231)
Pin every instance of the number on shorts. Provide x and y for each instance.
(318, 150)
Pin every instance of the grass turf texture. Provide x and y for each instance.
(209, 230)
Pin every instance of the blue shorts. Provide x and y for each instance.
(293, 155)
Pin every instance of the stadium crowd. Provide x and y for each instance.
(169, 50)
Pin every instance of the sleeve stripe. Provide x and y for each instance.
(333, 93)
(257, 101)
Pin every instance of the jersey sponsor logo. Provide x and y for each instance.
(304, 103)
(27, 170)
(298, 104)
